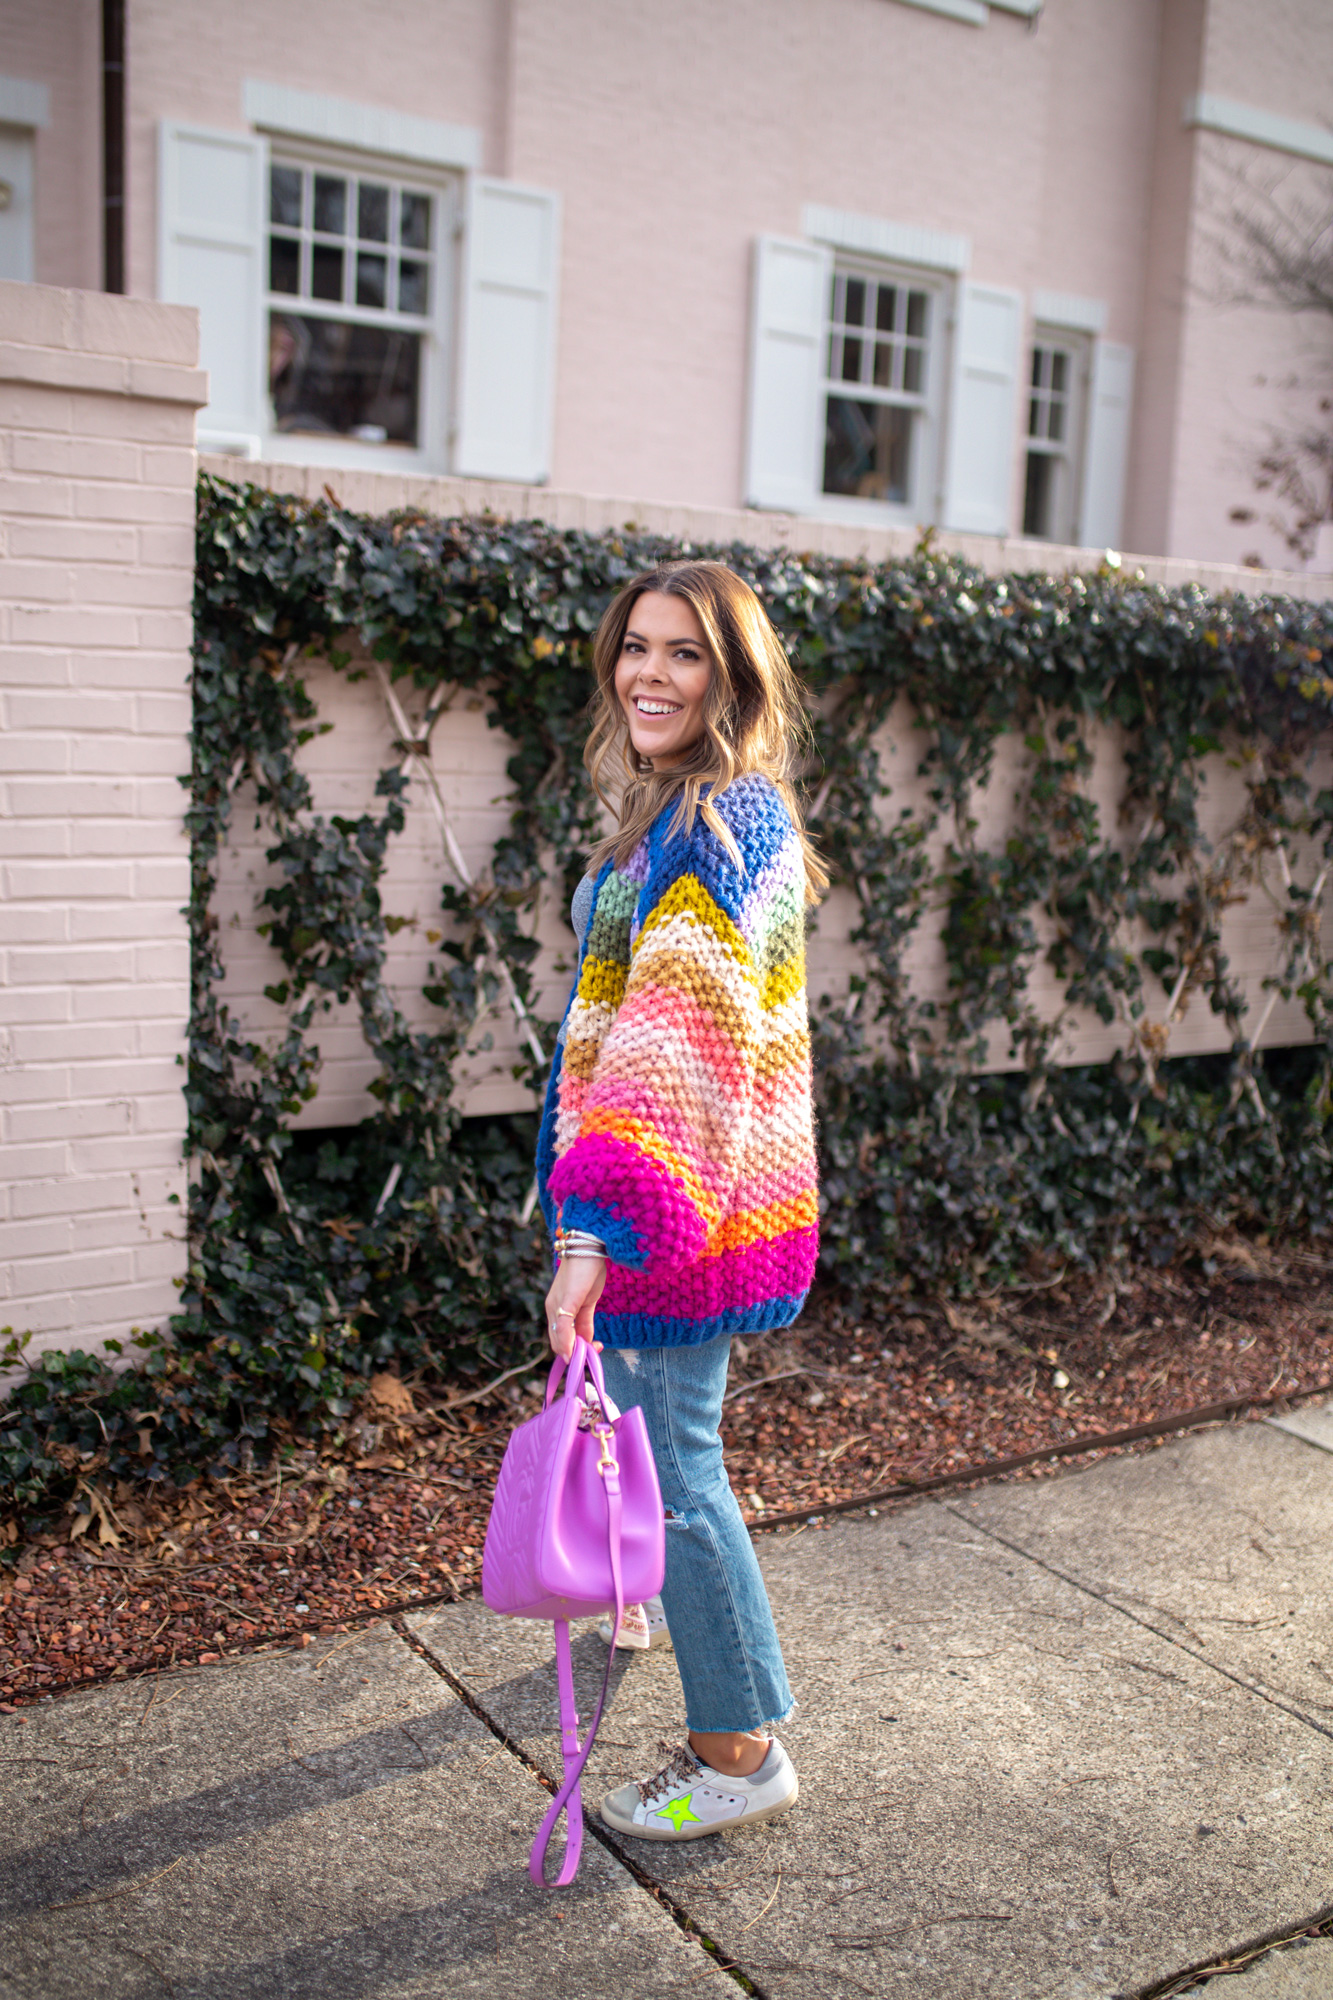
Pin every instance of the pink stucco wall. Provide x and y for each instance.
(676, 135)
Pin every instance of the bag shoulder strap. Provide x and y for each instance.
(569, 1798)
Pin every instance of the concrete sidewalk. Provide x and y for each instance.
(1068, 1739)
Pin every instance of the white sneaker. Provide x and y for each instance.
(643, 1626)
(688, 1799)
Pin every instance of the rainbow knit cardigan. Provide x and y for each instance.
(678, 1124)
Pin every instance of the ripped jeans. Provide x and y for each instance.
(716, 1606)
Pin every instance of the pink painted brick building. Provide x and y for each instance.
(885, 262)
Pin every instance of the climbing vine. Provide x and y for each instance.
(315, 1258)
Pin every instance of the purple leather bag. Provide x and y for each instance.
(576, 1531)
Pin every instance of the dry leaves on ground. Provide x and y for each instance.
(130, 1581)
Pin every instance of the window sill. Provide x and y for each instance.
(861, 513)
(348, 454)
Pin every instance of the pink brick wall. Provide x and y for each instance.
(97, 463)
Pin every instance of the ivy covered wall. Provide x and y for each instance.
(318, 1256)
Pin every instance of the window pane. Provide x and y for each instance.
(414, 227)
(372, 276)
(868, 450)
(330, 208)
(1055, 420)
(914, 370)
(413, 291)
(284, 196)
(1034, 417)
(326, 272)
(338, 380)
(372, 213)
(884, 353)
(1039, 493)
(284, 264)
(851, 360)
(884, 309)
(1059, 370)
(1038, 357)
(917, 305)
(855, 309)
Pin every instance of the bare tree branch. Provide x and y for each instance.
(1272, 242)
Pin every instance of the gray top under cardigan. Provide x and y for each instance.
(580, 915)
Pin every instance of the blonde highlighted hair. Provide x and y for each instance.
(754, 718)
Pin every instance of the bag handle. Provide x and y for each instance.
(583, 1358)
(569, 1798)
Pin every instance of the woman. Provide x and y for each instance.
(676, 1160)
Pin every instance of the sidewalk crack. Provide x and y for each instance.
(679, 1915)
(1145, 1624)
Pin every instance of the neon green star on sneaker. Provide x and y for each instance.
(687, 1799)
(679, 1811)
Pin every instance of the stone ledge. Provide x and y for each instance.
(98, 323)
(383, 492)
(103, 374)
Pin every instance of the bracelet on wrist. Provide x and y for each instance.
(577, 1243)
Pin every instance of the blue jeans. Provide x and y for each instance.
(716, 1606)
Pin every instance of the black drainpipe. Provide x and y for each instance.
(113, 145)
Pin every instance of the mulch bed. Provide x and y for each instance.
(319, 1541)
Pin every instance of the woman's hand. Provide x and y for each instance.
(574, 1292)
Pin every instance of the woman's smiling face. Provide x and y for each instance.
(662, 677)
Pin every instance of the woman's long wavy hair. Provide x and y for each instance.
(754, 718)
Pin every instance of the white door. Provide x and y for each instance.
(16, 203)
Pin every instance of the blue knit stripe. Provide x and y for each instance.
(645, 1330)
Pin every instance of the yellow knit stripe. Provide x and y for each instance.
(784, 982)
(602, 982)
(687, 896)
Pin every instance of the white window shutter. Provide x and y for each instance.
(1110, 401)
(211, 211)
(507, 359)
(788, 328)
(983, 414)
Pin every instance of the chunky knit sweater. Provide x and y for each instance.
(678, 1123)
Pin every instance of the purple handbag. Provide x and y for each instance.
(576, 1531)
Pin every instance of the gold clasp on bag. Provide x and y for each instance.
(607, 1462)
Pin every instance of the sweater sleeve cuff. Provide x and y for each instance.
(623, 1244)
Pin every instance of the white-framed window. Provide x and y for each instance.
(1056, 435)
(358, 301)
(883, 382)
(882, 367)
(359, 308)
